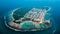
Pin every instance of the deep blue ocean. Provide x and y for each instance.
(8, 5)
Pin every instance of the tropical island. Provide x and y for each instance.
(33, 19)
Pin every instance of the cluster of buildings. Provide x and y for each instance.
(36, 14)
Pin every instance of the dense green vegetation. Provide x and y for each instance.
(20, 13)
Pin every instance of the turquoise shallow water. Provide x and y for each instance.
(27, 25)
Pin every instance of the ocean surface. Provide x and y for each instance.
(9, 5)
